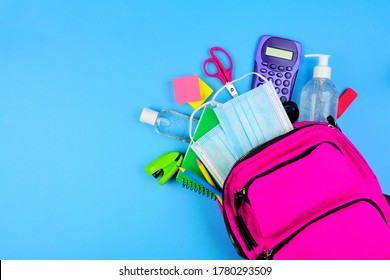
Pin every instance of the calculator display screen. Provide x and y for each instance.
(279, 53)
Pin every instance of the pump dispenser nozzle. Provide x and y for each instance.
(322, 70)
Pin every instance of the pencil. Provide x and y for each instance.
(201, 182)
(205, 173)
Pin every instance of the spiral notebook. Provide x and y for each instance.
(207, 121)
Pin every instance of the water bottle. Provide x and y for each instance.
(169, 123)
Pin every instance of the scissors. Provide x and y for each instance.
(223, 74)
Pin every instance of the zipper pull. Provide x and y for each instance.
(244, 231)
(332, 122)
(265, 255)
(238, 197)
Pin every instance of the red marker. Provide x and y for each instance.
(345, 99)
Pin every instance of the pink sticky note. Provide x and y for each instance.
(187, 89)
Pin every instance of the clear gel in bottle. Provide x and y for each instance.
(169, 123)
(319, 97)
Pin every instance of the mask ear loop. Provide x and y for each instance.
(248, 74)
(212, 102)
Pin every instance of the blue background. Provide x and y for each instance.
(74, 77)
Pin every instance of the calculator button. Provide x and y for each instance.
(263, 70)
(270, 79)
(284, 91)
(271, 73)
(278, 82)
(277, 90)
(272, 66)
(286, 83)
(288, 68)
(265, 63)
(280, 75)
(287, 75)
(281, 68)
(283, 99)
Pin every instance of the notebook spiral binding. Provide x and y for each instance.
(197, 188)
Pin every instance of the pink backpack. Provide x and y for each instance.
(308, 194)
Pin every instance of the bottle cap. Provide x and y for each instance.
(148, 116)
(322, 70)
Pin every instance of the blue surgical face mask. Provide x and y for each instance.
(245, 122)
(214, 151)
(253, 118)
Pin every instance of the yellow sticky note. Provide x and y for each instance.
(205, 92)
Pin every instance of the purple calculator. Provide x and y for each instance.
(277, 59)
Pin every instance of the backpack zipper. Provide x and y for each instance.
(259, 148)
(304, 154)
(242, 194)
(245, 233)
(332, 122)
(269, 254)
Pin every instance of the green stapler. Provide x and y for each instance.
(165, 166)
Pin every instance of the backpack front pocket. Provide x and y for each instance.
(276, 201)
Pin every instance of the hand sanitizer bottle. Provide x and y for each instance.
(169, 123)
(319, 97)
